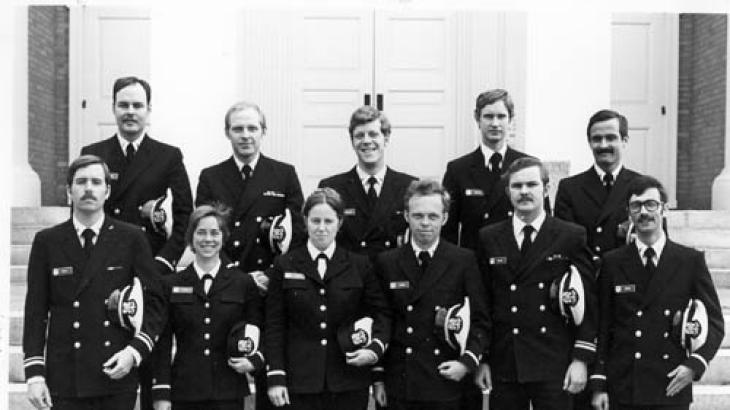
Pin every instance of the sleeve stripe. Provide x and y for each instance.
(378, 369)
(142, 336)
(261, 355)
(598, 377)
(473, 356)
(700, 358)
(161, 386)
(163, 260)
(276, 373)
(39, 362)
(585, 345)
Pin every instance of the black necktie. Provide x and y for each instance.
(425, 259)
(372, 194)
(130, 153)
(526, 239)
(207, 282)
(322, 264)
(246, 172)
(650, 267)
(494, 162)
(608, 181)
(88, 236)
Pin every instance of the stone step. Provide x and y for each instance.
(710, 397)
(17, 273)
(717, 258)
(698, 219)
(17, 296)
(23, 235)
(16, 372)
(702, 238)
(19, 254)
(721, 277)
(39, 216)
(15, 333)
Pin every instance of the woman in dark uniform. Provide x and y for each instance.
(206, 301)
(316, 291)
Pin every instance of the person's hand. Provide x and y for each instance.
(262, 281)
(279, 395)
(361, 357)
(576, 377)
(681, 377)
(483, 378)
(119, 365)
(39, 396)
(600, 401)
(240, 364)
(379, 394)
(453, 370)
(162, 405)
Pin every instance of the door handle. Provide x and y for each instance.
(366, 99)
(379, 102)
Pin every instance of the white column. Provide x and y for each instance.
(721, 185)
(26, 183)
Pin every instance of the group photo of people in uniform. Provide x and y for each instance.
(379, 288)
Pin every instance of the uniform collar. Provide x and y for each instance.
(96, 227)
(518, 225)
(136, 143)
(314, 252)
(431, 250)
(601, 172)
(487, 152)
(252, 164)
(200, 272)
(658, 246)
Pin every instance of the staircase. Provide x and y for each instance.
(705, 230)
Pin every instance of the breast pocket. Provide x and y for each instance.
(297, 293)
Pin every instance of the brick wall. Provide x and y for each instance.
(701, 105)
(48, 59)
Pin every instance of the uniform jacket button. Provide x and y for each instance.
(409, 350)
(237, 224)
(323, 342)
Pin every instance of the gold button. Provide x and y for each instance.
(323, 325)
(409, 350)
(206, 320)
(409, 330)
(543, 329)
(236, 243)
(387, 244)
(665, 356)
(542, 308)
(259, 261)
(207, 305)
(258, 240)
(637, 355)
(206, 352)
(436, 352)
(516, 331)
(666, 312)
(322, 292)
(639, 313)
(513, 287)
(77, 345)
(486, 215)
(322, 308)
(237, 224)
(363, 244)
(637, 333)
(541, 285)
(107, 343)
(409, 308)
(106, 323)
(117, 211)
(598, 248)
(143, 229)
(259, 219)
(206, 336)
(76, 325)
(666, 335)
(514, 309)
(599, 229)
(323, 342)
(76, 303)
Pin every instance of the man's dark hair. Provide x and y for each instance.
(640, 184)
(126, 82)
(83, 162)
(605, 115)
(526, 162)
(492, 96)
(367, 114)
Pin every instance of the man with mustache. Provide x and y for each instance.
(372, 191)
(256, 188)
(537, 355)
(596, 197)
(643, 289)
(76, 357)
(142, 170)
(422, 370)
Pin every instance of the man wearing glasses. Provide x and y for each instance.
(647, 355)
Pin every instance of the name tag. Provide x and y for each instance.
(404, 284)
(498, 260)
(274, 194)
(294, 275)
(114, 176)
(350, 211)
(63, 271)
(182, 289)
(625, 288)
(113, 267)
(473, 192)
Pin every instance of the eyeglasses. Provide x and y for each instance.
(650, 205)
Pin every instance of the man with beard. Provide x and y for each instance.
(142, 170)
(372, 191)
(644, 288)
(76, 356)
(422, 371)
(473, 180)
(537, 355)
(596, 198)
(256, 188)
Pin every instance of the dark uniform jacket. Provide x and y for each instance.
(582, 199)
(304, 312)
(412, 359)
(273, 187)
(369, 231)
(66, 298)
(636, 349)
(155, 168)
(201, 324)
(478, 197)
(531, 341)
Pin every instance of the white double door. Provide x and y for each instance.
(401, 63)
